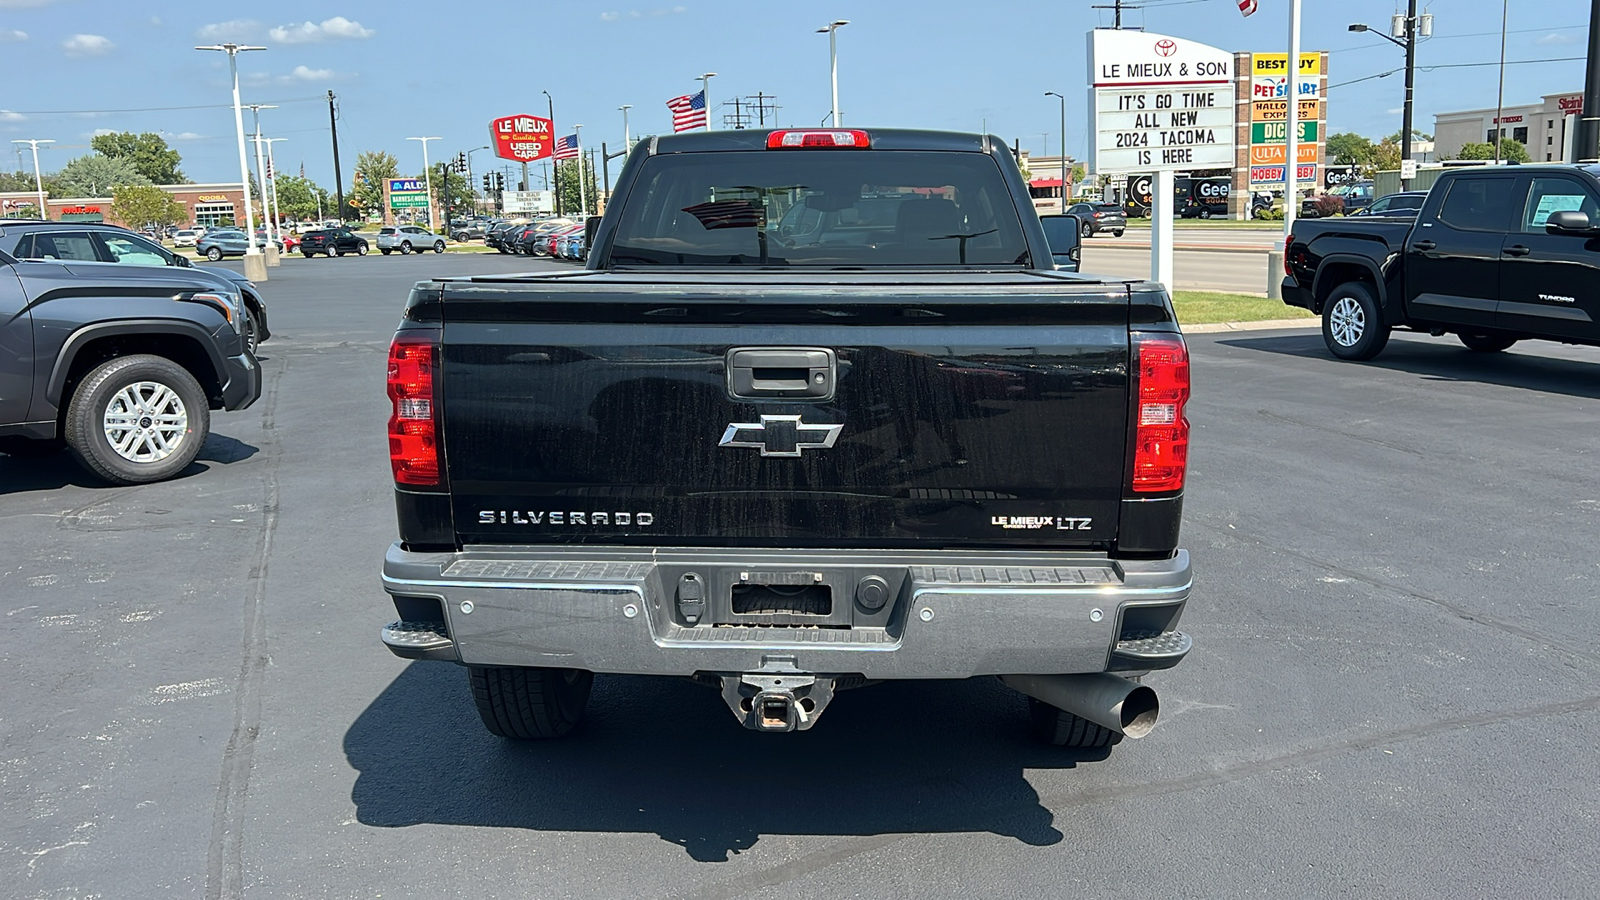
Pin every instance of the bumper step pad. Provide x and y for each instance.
(1150, 651)
(419, 640)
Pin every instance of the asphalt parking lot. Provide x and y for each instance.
(1394, 689)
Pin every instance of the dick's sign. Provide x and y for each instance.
(521, 138)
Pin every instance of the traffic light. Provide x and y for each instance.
(488, 183)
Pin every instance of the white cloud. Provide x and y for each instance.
(643, 14)
(188, 136)
(1555, 38)
(98, 132)
(233, 29)
(24, 4)
(155, 21)
(306, 73)
(7, 115)
(10, 36)
(87, 45)
(310, 32)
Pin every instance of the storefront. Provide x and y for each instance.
(204, 204)
(1545, 128)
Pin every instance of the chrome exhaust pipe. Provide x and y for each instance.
(1107, 700)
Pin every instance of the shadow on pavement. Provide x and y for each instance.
(1444, 359)
(57, 470)
(664, 756)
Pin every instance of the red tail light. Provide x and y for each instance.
(796, 140)
(413, 424)
(1287, 243)
(1161, 432)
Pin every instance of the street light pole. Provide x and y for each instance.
(627, 136)
(555, 168)
(272, 171)
(1063, 148)
(705, 94)
(254, 266)
(271, 249)
(427, 177)
(832, 28)
(1415, 26)
(38, 180)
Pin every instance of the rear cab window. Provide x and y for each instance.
(58, 245)
(820, 208)
(1478, 203)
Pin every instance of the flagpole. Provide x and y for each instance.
(583, 198)
(705, 95)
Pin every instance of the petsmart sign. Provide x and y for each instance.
(1159, 102)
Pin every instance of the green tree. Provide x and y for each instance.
(1351, 149)
(148, 152)
(1385, 157)
(1510, 151)
(372, 169)
(96, 176)
(138, 205)
(568, 174)
(298, 197)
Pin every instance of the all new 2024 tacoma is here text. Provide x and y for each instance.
(819, 413)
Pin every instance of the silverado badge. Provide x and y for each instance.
(780, 435)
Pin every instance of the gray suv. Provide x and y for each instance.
(88, 241)
(122, 364)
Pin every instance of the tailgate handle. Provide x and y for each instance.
(788, 373)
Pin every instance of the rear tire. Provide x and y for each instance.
(102, 399)
(1487, 343)
(1117, 232)
(529, 703)
(1352, 323)
(1060, 728)
(386, 252)
(1085, 230)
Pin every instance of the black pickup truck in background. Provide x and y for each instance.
(1495, 256)
(787, 453)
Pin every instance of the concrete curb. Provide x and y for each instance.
(1209, 248)
(1264, 325)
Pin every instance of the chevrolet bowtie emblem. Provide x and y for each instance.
(780, 435)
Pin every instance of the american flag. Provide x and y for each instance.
(688, 111)
(1247, 6)
(567, 147)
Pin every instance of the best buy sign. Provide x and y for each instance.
(1278, 132)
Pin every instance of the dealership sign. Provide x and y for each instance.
(521, 138)
(1158, 102)
(527, 201)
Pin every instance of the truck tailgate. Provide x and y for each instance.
(971, 409)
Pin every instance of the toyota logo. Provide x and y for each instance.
(1166, 47)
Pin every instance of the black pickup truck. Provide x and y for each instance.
(1496, 255)
(788, 455)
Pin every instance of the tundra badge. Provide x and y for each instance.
(780, 435)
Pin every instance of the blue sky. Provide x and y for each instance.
(405, 68)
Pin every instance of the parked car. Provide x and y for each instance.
(1098, 217)
(1353, 195)
(408, 239)
(98, 242)
(220, 242)
(125, 362)
(185, 237)
(1494, 256)
(261, 240)
(1404, 203)
(332, 242)
(468, 231)
(497, 235)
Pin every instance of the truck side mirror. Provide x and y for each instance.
(1567, 221)
(1061, 233)
(590, 226)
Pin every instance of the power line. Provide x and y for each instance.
(75, 112)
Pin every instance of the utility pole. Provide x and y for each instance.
(555, 167)
(583, 199)
(1587, 146)
(1411, 28)
(1117, 6)
(705, 95)
(1500, 98)
(338, 178)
